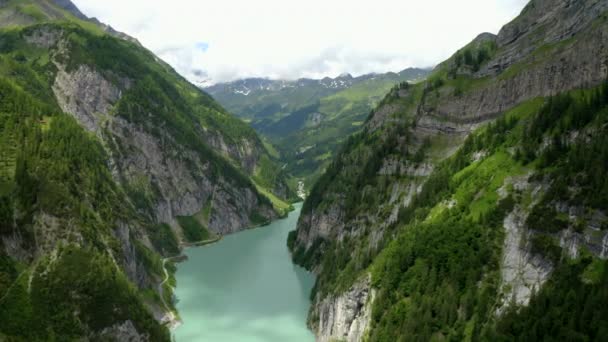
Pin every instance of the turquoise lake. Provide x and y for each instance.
(244, 288)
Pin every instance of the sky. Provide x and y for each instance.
(223, 40)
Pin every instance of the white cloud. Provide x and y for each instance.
(230, 39)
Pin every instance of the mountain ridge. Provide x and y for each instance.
(306, 120)
(343, 81)
(438, 171)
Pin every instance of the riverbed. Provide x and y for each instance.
(244, 288)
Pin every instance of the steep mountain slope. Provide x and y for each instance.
(264, 101)
(308, 119)
(108, 159)
(473, 206)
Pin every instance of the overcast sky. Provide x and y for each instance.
(223, 40)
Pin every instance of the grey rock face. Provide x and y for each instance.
(244, 152)
(522, 273)
(319, 224)
(141, 162)
(315, 119)
(178, 181)
(398, 167)
(43, 38)
(559, 20)
(344, 317)
(590, 237)
(172, 179)
(175, 180)
(382, 115)
(85, 94)
(133, 267)
(121, 332)
(535, 58)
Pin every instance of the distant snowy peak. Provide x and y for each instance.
(243, 92)
(248, 86)
(341, 82)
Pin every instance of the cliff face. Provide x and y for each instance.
(174, 178)
(363, 204)
(552, 47)
(344, 317)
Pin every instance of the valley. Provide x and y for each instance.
(463, 202)
(306, 121)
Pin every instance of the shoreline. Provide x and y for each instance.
(171, 318)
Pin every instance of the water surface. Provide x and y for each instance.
(244, 288)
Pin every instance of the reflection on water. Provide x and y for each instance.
(244, 288)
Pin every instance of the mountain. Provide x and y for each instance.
(306, 120)
(472, 206)
(109, 161)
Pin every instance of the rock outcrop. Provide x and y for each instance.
(344, 317)
(85, 94)
(522, 272)
(122, 332)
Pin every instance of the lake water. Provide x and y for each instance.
(244, 289)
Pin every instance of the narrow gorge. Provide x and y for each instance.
(198, 183)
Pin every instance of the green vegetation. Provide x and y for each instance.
(79, 229)
(278, 204)
(437, 268)
(341, 115)
(79, 280)
(474, 55)
(267, 176)
(193, 230)
(575, 167)
(60, 170)
(163, 239)
(567, 308)
(32, 11)
(308, 122)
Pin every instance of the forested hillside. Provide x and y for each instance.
(108, 161)
(307, 120)
(473, 206)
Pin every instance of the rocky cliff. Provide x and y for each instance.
(175, 179)
(409, 169)
(346, 316)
